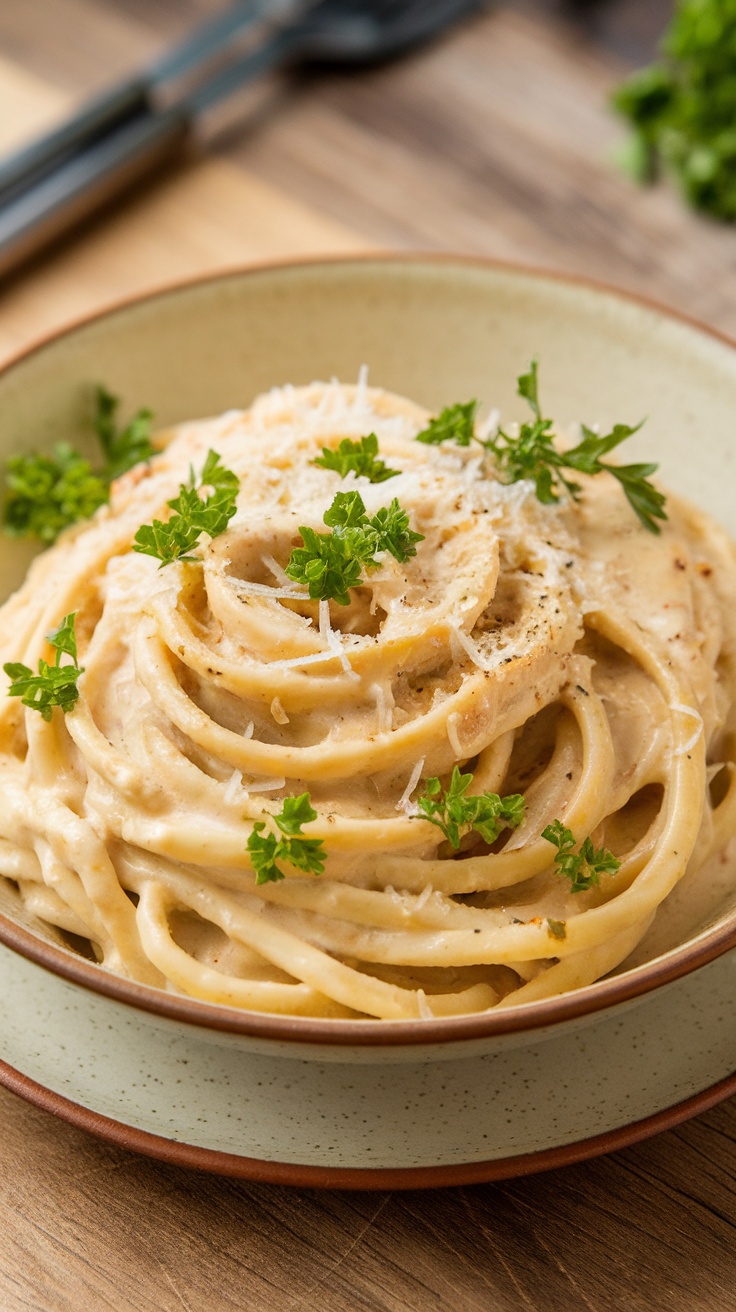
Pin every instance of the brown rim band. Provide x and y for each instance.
(329, 1177)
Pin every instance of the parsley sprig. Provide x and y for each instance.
(361, 457)
(53, 685)
(456, 423)
(267, 849)
(531, 453)
(584, 867)
(456, 812)
(193, 514)
(683, 107)
(123, 447)
(47, 493)
(329, 564)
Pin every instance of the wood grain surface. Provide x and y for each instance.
(495, 141)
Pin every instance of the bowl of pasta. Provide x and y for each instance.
(369, 722)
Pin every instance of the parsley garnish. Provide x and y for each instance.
(583, 868)
(532, 454)
(682, 109)
(193, 515)
(360, 457)
(266, 849)
(47, 493)
(346, 511)
(456, 812)
(390, 525)
(329, 564)
(54, 685)
(326, 564)
(645, 500)
(456, 423)
(125, 447)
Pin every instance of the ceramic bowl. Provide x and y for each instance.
(356, 1103)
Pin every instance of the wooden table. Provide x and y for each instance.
(496, 141)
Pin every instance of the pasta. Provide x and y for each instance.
(558, 652)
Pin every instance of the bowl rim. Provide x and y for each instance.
(236, 1165)
(600, 995)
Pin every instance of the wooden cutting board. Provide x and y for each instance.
(206, 216)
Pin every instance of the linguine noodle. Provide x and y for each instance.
(557, 651)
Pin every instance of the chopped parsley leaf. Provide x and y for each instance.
(266, 849)
(177, 536)
(456, 812)
(329, 564)
(53, 685)
(583, 868)
(360, 457)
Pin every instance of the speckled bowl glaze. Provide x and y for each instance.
(359, 1103)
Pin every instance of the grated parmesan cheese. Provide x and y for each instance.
(328, 635)
(264, 785)
(278, 712)
(489, 426)
(278, 572)
(233, 789)
(459, 639)
(452, 733)
(404, 803)
(315, 658)
(425, 1011)
(362, 387)
(292, 593)
(692, 715)
(384, 709)
(424, 897)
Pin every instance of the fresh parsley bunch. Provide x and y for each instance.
(329, 564)
(47, 493)
(360, 457)
(267, 849)
(683, 108)
(54, 685)
(583, 868)
(456, 812)
(194, 515)
(532, 453)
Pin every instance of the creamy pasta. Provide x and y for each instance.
(558, 652)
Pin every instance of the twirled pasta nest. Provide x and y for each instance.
(555, 651)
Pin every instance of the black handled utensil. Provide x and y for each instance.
(134, 96)
(123, 136)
